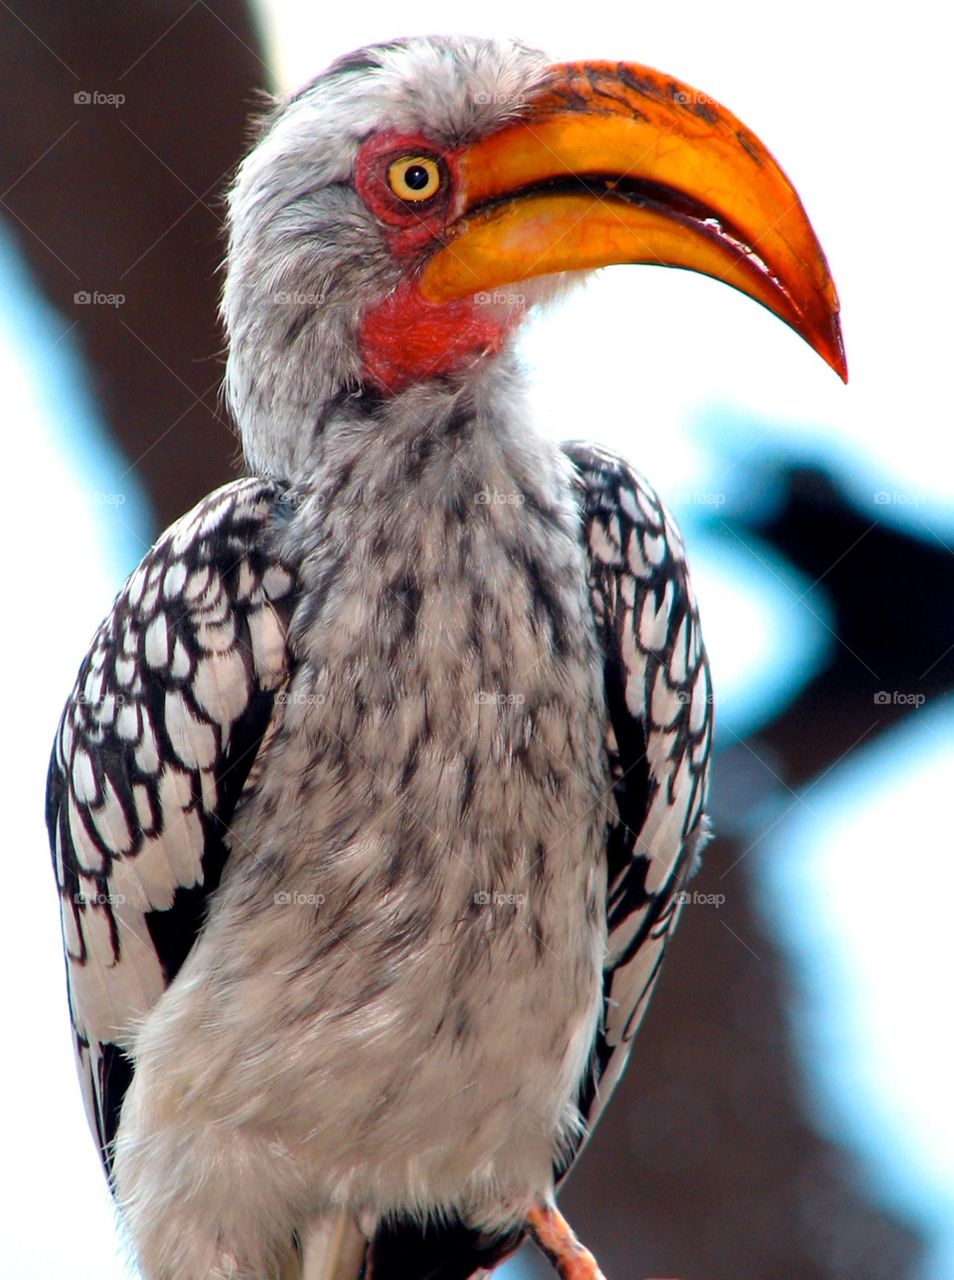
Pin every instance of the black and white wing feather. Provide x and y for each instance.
(659, 738)
(155, 745)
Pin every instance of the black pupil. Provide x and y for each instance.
(417, 177)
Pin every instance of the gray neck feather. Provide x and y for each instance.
(391, 479)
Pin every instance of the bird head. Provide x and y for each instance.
(401, 213)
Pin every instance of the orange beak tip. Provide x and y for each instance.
(834, 351)
(841, 368)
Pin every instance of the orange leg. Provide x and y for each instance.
(555, 1237)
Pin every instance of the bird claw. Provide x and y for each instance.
(554, 1236)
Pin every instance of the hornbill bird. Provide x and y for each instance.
(373, 803)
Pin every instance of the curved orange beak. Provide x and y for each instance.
(618, 163)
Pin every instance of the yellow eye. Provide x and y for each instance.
(414, 177)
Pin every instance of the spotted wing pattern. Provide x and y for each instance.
(659, 738)
(153, 749)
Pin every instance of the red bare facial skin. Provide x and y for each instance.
(404, 339)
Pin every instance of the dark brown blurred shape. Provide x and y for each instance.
(125, 199)
(706, 1165)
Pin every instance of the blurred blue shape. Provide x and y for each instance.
(747, 457)
(524, 1265)
(54, 398)
(766, 636)
(857, 886)
(70, 541)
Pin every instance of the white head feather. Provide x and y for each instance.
(305, 255)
